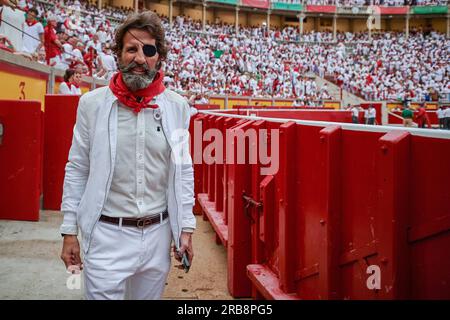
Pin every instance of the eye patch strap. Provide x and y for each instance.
(148, 49)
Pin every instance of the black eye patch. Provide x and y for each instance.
(149, 50)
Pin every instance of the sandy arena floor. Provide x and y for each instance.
(30, 267)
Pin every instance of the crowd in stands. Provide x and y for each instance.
(393, 68)
(256, 62)
(387, 68)
(359, 3)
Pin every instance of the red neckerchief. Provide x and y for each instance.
(32, 23)
(69, 84)
(74, 84)
(139, 99)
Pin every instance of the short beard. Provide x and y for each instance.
(136, 82)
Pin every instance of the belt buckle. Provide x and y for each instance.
(140, 224)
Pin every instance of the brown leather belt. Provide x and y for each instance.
(138, 223)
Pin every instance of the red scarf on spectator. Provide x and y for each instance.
(139, 99)
(32, 23)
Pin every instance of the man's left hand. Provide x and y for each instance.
(185, 245)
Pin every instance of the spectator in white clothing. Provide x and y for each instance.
(33, 36)
(71, 84)
(440, 115)
(355, 114)
(447, 118)
(371, 115)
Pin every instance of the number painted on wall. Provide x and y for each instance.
(22, 92)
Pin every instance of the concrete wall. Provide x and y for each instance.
(209, 16)
(163, 8)
(123, 3)
(195, 13)
(325, 24)
(398, 24)
(256, 19)
(275, 21)
(418, 23)
(343, 25)
(359, 25)
(160, 8)
(309, 24)
(243, 18)
(439, 24)
(226, 16)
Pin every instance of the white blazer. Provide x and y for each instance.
(92, 156)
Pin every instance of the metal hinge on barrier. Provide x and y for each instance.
(1, 133)
(249, 201)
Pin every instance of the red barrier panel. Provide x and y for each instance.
(20, 159)
(239, 242)
(432, 116)
(60, 116)
(429, 218)
(344, 203)
(344, 208)
(306, 201)
(196, 153)
(393, 119)
(222, 182)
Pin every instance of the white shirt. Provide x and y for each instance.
(76, 90)
(67, 54)
(355, 111)
(372, 113)
(77, 54)
(440, 113)
(64, 88)
(16, 18)
(141, 173)
(29, 44)
(102, 36)
(108, 62)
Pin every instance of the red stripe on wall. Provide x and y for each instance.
(256, 3)
(327, 9)
(393, 10)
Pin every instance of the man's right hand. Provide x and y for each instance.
(71, 252)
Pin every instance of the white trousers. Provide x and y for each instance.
(126, 262)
